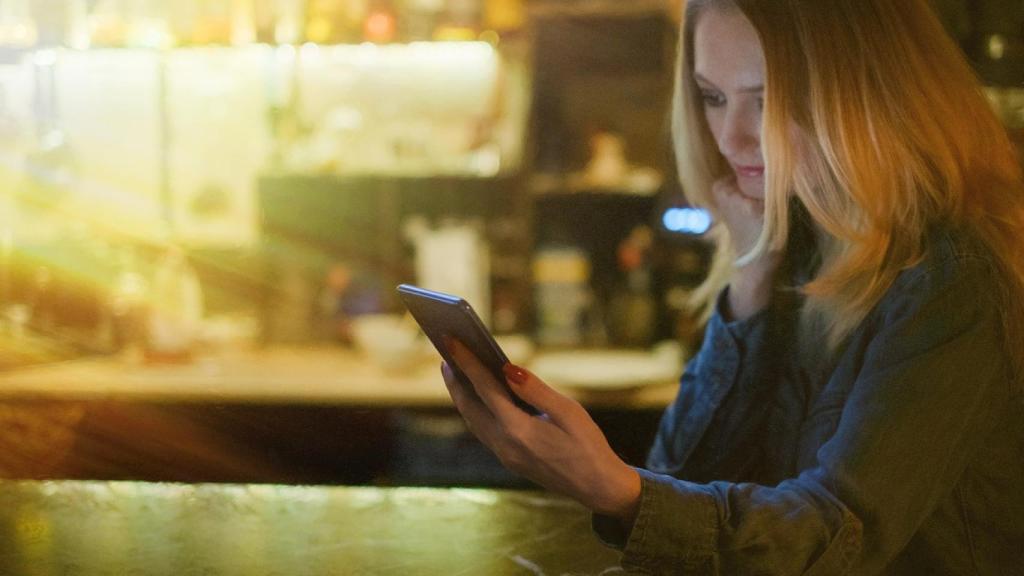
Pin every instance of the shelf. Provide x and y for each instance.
(594, 195)
(599, 8)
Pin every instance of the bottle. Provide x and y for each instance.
(243, 22)
(460, 21)
(352, 17)
(176, 308)
(127, 305)
(78, 29)
(213, 24)
(561, 275)
(504, 16)
(290, 14)
(42, 301)
(420, 19)
(381, 24)
(321, 22)
(633, 308)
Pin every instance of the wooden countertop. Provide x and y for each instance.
(298, 375)
(68, 527)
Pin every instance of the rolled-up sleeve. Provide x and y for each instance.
(933, 378)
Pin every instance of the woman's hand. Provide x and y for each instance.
(563, 450)
(750, 289)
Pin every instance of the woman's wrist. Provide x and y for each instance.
(623, 502)
(750, 290)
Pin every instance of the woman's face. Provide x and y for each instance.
(729, 72)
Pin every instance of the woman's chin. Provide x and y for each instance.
(752, 192)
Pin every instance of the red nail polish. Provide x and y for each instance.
(515, 374)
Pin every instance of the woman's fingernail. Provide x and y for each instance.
(515, 374)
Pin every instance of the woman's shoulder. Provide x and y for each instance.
(954, 260)
(954, 291)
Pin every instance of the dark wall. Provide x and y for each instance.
(991, 33)
(601, 74)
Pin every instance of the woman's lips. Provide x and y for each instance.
(749, 171)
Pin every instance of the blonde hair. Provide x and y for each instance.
(894, 137)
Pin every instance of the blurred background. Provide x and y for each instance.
(205, 206)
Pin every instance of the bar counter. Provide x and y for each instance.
(279, 415)
(101, 528)
(282, 375)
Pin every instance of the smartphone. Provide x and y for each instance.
(440, 315)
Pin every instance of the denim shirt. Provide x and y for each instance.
(901, 454)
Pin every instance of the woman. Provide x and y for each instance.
(856, 405)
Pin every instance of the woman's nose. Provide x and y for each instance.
(741, 134)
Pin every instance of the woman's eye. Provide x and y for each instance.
(712, 99)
